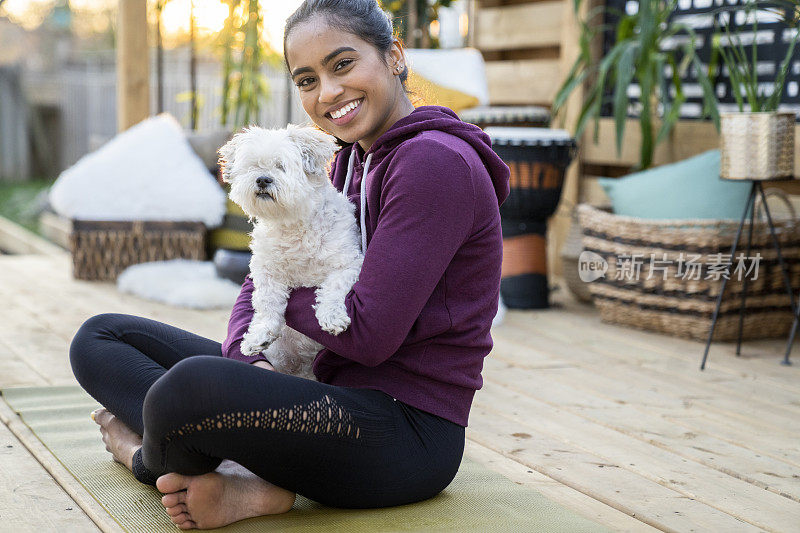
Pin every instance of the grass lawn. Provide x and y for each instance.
(17, 202)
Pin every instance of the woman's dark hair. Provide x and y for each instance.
(363, 18)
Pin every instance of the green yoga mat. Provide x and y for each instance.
(478, 499)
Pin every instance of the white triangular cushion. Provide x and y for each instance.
(148, 172)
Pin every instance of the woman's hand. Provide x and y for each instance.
(263, 364)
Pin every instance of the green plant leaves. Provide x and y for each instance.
(637, 56)
(245, 88)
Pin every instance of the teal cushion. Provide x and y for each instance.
(690, 188)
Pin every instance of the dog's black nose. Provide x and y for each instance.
(263, 181)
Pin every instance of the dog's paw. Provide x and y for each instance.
(255, 343)
(332, 320)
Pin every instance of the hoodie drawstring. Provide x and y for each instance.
(362, 195)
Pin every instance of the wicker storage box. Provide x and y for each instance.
(671, 302)
(103, 249)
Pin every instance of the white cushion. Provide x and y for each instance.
(148, 172)
(461, 69)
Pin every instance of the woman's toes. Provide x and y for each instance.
(183, 521)
(180, 518)
(172, 482)
(173, 498)
(177, 509)
(101, 416)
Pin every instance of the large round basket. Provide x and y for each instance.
(665, 275)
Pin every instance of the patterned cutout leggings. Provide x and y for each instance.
(340, 446)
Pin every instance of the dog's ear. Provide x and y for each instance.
(316, 147)
(227, 154)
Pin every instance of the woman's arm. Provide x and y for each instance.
(427, 214)
(238, 323)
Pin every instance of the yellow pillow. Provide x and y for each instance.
(233, 234)
(434, 94)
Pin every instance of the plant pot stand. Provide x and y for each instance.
(756, 190)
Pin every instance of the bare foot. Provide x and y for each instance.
(227, 495)
(120, 440)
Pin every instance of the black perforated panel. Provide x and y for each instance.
(773, 38)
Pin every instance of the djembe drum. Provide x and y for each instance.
(538, 159)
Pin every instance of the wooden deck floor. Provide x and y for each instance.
(618, 424)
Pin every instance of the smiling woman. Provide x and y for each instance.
(427, 189)
(350, 70)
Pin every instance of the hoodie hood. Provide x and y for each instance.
(442, 119)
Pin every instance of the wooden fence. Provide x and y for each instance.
(528, 47)
(85, 94)
(15, 163)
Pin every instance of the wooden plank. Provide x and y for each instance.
(729, 458)
(737, 498)
(674, 391)
(689, 138)
(593, 193)
(55, 228)
(37, 513)
(46, 307)
(519, 26)
(522, 82)
(15, 370)
(16, 239)
(133, 76)
(559, 224)
(648, 368)
(650, 502)
(40, 276)
(553, 490)
(758, 361)
(15, 153)
(31, 501)
(31, 339)
(692, 416)
(649, 360)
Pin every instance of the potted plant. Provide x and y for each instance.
(638, 55)
(757, 144)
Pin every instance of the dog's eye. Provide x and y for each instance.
(279, 166)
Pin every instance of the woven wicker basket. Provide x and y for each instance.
(681, 306)
(103, 249)
(757, 146)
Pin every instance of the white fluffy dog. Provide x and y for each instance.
(305, 234)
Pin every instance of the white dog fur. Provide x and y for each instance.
(305, 234)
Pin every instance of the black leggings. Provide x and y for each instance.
(340, 446)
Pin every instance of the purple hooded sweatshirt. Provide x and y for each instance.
(423, 305)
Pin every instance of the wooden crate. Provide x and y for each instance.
(529, 48)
